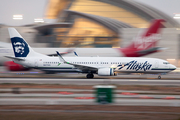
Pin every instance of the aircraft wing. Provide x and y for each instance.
(84, 68)
(151, 50)
(56, 54)
(14, 58)
(81, 67)
(62, 53)
(5, 45)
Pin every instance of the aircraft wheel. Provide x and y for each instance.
(89, 76)
(159, 77)
(92, 75)
(49, 72)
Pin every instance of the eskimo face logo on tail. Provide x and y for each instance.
(20, 47)
(133, 65)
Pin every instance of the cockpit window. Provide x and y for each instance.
(166, 63)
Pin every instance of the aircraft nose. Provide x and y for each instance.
(173, 67)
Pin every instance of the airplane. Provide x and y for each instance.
(143, 44)
(102, 66)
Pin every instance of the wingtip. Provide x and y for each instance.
(57, 53)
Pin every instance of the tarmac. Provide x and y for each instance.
(152, 82)
(70, 101)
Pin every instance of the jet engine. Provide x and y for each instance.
(106, 72)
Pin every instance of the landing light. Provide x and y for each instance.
(39, 20)
(176, 16)
(17, 17)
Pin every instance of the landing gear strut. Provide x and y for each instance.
(159, 77)
(89, 75)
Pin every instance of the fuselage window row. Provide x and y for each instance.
(84, 62)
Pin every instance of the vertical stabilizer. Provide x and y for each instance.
(20, 46)
(149, 37)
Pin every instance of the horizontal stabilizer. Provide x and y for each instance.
(151, 50)
(15, 58)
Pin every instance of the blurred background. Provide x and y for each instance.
(88, 24)
(91, 23)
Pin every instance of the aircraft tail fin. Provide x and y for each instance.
(149, 37)
(20, 46)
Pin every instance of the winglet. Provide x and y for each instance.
(75, 54)
(61, 58)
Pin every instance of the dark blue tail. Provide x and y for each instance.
(20, 47)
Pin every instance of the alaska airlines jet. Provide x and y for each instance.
(103, 66)
(143, 44)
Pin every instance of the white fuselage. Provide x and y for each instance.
(120, 64)
(83, 52)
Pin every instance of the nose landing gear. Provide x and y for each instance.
(159, 77)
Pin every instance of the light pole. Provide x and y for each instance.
(38, 20)
(18, 17)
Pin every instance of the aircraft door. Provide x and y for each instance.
(36, 63)
(156, 64)
(98, 62)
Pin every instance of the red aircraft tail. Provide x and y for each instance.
(149, 38)
(144, 41)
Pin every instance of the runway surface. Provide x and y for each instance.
(53, 95)
(70, 101)
(71, 90)
(85, 111)
(92, 81)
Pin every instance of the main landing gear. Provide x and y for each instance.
(159, 77)
(89, 75)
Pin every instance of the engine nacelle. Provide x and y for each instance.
(106, 72)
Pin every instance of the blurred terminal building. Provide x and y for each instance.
(100, 23)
